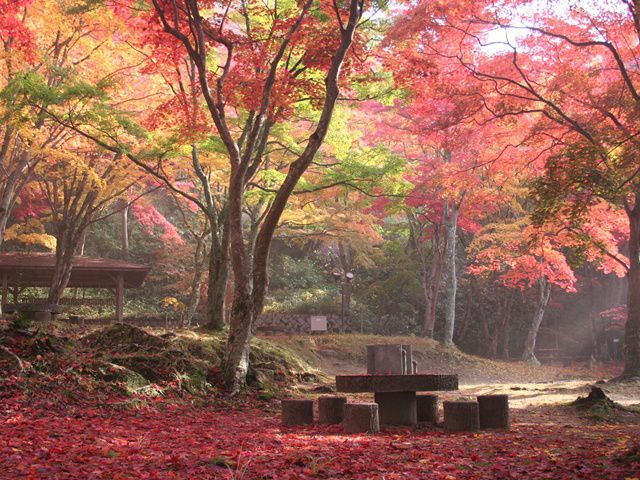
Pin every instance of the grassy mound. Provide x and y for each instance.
(139, 361)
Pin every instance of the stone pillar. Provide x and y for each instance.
(494, 411)
(297, 411)
(361, 418)
(461, 416)
(427, 408)
(397, 408)
(331, 409)
(389, 359)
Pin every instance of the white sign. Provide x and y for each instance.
(318, 324)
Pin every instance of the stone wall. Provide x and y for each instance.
(295, 322)
(270, 322)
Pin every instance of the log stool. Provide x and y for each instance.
(427, 408)
(361, 417)
(297, 411)
(461, 416)
(494, 411)
(331, 409)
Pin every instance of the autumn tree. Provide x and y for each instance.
(194, 170)
(435, 128)
(37, 38)
(279, 54)
(570, 69)
(81, 188)
(524, 257)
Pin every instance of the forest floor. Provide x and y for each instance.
(85, 407)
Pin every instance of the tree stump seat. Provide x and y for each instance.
(461, 416)
(331, 409)
(427, 408)
(297, 411)
(494, 411)
(361, 418)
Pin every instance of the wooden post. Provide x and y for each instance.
(120, 297)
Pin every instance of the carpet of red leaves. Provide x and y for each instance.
(46, 438)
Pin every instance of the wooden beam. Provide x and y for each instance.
(120, 297)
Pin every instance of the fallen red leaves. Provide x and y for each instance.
(42, 439)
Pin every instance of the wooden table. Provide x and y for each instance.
(396, 394)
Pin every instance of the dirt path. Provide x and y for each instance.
(536, 394)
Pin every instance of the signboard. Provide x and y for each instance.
(318, 323)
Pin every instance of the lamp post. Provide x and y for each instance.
(345, 286)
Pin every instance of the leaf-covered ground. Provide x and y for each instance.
(48, 439)
(122, 403)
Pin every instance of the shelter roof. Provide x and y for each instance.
(36, 270)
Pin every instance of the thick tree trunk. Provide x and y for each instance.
(236, 362)
(218, 251)
(528, 355)
(451, 224)
(250, 276)
(632, 329)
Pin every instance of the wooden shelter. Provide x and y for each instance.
(22, 270)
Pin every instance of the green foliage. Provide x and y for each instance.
(300, 285)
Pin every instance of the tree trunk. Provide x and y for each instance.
(217, 281)
(431, 288)
(461, 333)
(632, 328)
(345, 266)
(236, 362)
(83, 238)
(430, 269)
(251, 277)
(506, 338)
(83, 241)
(7, 201)
(199, 259)
(451, 224)
(528, 354)
(65, 247)
(124, 231)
